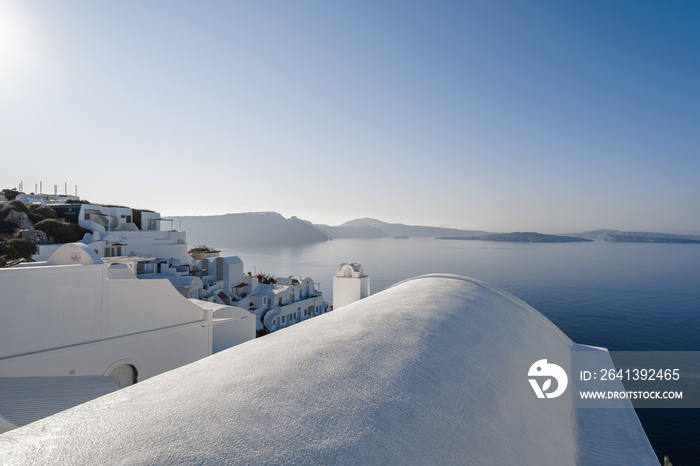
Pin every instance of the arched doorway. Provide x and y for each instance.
(124, 375)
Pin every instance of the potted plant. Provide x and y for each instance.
(201, 251)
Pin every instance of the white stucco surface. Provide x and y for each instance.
(76, 315)
(232, 325)
(416, 374)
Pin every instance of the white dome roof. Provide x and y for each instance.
(416, 374)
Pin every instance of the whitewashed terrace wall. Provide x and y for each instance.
(63, 318)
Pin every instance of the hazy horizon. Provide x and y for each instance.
(562, 232)
(497, 116)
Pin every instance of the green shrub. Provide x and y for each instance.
(62, 232)
(19, 206)
(20, 247)
(202, 248)
(7, 252)
(7, 227)
(38, 213)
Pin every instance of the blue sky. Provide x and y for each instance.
(545, 116)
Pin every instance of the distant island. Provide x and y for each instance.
(518, 237)
(618, 236)
(373, 228)
(650, 239)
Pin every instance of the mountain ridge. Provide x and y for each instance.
(269, 228)
(249, 229)
(400, 229)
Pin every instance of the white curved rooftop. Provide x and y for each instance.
(416, 374)
(74, 253)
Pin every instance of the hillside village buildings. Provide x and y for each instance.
(138, 238)
(123, 305)
(221, 280)
(120, 231)
(162, 254)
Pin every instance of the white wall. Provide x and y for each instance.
(50, 306)
(152, 353)
(146, 217)
(53, 306)
(348, 290)
(137, 305)
(233, 271)
(232, 325)
(95, 320)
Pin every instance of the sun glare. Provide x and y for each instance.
(13, 43)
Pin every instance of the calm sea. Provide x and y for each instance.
(621, 296)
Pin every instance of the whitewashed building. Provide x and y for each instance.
(120, 231)
(221, 280)
(275, 305)
(76, 315)
(285, 303)
(350, 284)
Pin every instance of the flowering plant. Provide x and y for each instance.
(266, 279)
(202, 248)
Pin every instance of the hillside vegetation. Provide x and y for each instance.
(18, 218)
